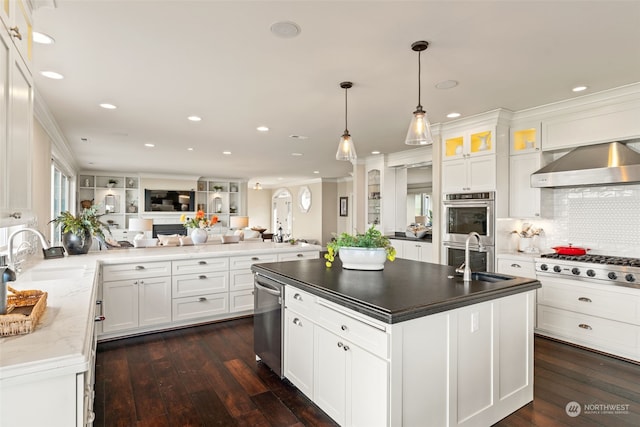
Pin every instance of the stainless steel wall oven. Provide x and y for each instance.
(464, 213)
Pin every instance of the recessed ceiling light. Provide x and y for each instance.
(226, 153)
(52, 75)
(298, 137)
(579, 88)
(316, 171)
(447, 84)
(453, 115)
(285, 29)
(108, 106)
(194, 118)
(262, 129)
(149, 145)
(375, 152)
(190, 149)
(296, 154)
(42, 38)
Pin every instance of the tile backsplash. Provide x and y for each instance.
(605, 219)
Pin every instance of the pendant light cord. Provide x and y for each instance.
(419, 72)
(346, 129)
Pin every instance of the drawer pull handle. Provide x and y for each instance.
(139, 267)
(202, 299)
(344, 327)
(297, 322)
(202, 262)
(340, 345)
(300, 255)
(16, 32)
(255, 258)
(514, 265)
(298, 297)
(585, 326)
(202, 277)
(345, 348)
(584, 299)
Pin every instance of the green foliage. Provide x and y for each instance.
(86, 223)
(372, 238)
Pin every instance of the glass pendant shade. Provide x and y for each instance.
(346, 149)
(419, 130)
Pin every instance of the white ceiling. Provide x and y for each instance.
(161, 61)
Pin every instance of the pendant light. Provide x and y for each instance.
(346, 149)
(419, 129)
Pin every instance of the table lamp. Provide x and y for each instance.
(238, 222)
(141, 225)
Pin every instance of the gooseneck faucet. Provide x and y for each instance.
(465, 268)
(43, 240)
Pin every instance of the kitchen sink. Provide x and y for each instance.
(39, 274)
(489, 277)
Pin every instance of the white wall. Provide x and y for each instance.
(259, 208)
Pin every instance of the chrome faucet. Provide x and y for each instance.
(465, 268)
(43, 240)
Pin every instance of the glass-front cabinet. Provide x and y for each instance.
(525, 138)
(477, 142)
(221, 198)
(374, 198)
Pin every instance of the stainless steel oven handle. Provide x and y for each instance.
(267, 290)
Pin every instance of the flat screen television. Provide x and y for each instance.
(169, 200)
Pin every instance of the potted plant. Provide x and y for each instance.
(111, 183)
(78, 230)
(366, 251)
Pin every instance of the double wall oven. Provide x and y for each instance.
(464, 213)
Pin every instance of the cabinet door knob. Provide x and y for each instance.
(16, 32)
(202, 277)
(202, 262)
(298, 297)
(139, 267)
(345, 348)
(297, 322)
(340, 344)
(584, 299)
(300, 255)
(585, 326)
(344, 327)
(514, 265)
(255, 258)
(202, 299)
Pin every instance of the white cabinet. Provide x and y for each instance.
(141, 299)
(297, 256)
(374, 196)
(525, 158)
(299, 354)
(241, 280)
(17, 18)
(413, 250)
(515, 265)
(16, 130)
(116, 197)
(602, 317)
(200, 288)
(469, 174)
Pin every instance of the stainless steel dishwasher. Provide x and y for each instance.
(268, 316)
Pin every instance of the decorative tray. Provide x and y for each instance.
(24, 309)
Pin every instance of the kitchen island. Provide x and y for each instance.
(411, 345)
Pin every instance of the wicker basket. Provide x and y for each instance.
(26, 309)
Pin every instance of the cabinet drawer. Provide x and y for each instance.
(610, 302)
(513, 267)
(609, 336)
(295, 256)
(246, 261)
(200, 265)
(136, 270)
(365, 333)
(202, 306)
(299, 301)
(186, 285)
(240, 279)
(240, 301)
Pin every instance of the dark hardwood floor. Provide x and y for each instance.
(208, 376)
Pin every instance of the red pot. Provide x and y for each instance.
(570, 250)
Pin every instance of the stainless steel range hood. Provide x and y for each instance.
(599, 164)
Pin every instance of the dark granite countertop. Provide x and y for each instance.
(404, 290)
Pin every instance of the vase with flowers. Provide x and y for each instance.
(198, 226)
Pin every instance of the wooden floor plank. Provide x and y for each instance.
(208, 376)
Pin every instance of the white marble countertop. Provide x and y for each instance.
(59, 344)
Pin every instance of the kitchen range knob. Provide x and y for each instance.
(575, 270)
(612, 276)
(591, 273)
(630, 278)
(557, 268)
(544, 267)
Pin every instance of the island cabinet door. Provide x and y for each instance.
(350, 384)
(154, 301)
(298, 352)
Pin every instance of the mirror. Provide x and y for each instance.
(304, 199)
(282, 213)
(419, 189)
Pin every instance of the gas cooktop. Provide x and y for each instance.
(599, 268)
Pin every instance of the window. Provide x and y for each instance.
(60, 198)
